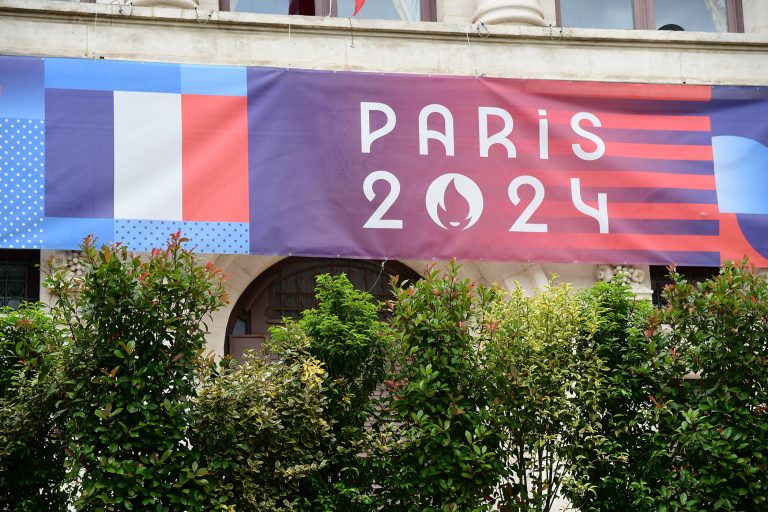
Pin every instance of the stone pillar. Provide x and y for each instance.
(184, 4)
(458, 12)
(509, 12)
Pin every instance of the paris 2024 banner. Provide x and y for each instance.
(253, 160)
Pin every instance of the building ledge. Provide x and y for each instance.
(223, 20)
(51, 28)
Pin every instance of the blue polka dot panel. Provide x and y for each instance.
(211, 237)
(22, 183)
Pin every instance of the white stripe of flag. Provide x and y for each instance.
(148, 156)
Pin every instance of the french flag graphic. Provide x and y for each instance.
(136, 151)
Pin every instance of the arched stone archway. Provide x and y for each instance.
(286, 288)
(242, 271)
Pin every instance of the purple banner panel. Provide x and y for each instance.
(79, 129)
(408, 166)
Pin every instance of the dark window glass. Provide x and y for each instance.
(19, 279)
(693, 15)
(597, 14)
(294, 289)
(660, 278)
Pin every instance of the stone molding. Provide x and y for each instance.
(237, 21)
(183, 4)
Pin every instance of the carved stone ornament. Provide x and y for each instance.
(72, 260)
(632, 276)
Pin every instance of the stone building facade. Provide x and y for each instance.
(522, 39)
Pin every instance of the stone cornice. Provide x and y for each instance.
(62, 29)
(221, 20)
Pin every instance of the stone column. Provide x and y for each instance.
(459, 12)
(509, 12)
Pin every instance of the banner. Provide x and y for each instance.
(365, 165)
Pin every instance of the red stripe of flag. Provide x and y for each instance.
(214, 158)
(612, 120)
(628, 179)
(562, 146)
(659, 151)
(616, 210)
(358, 6)
(649, 122)
(619, 90)
(663, 211)
(614, 241)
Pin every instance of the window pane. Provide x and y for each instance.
(383, 9)
(697, 15)
(597, 13)
(239, 328)
(13, 283)
(260, 6)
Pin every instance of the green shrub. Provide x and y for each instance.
(682, 398)
(718, 425)
(343, 333)
(260, 428)
(543, 380)
(136, 331)
(616, 466)
(441, 452)
(31, 448)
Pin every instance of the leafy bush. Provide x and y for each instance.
(544, 380)
(345, 335)
(136, 331)
(31, 448)
(617, 465)
(472, 399)
(442, 453)
(682, 399)
(717, 426)
(260, 428)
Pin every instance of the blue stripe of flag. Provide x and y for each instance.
(112, 75)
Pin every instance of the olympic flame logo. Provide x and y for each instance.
(465, 187)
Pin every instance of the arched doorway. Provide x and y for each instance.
(288, 288)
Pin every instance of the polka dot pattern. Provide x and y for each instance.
(213, 237)
(22, 183)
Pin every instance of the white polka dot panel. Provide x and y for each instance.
(21, 183)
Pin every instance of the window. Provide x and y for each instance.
(288, 288)
(691, 15)
(408, 10)
(19, 279)
(660, 278)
